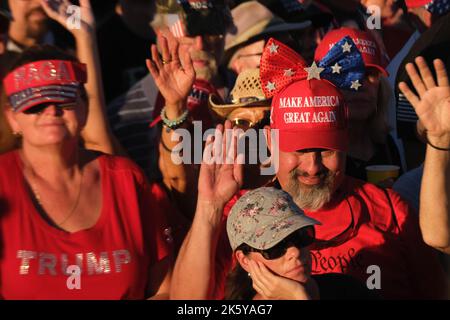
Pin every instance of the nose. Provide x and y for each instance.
(52, 110)
(311, 163)
(199, 43)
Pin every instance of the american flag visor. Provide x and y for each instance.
(46, 81)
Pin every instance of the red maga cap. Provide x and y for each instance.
(43, 82)
(367, 46)
(310, 114)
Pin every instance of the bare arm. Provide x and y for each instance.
(174, 76)
(194, 269)
(432, 106)
(97, 134)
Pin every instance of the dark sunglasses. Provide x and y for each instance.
(41, 107)
(245, 124)
(300, 239)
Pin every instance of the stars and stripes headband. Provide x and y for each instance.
(43, 82)
(280, 66)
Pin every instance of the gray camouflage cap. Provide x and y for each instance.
(263, 217)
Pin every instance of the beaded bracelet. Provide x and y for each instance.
(173, 124)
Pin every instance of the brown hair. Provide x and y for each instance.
(238, 284)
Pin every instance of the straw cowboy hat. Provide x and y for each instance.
(247, 93)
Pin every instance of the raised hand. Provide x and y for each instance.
(274, 287)
(221, 172)
(59, 11)
(432, 104)
(173, 74)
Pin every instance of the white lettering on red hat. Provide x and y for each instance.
(304, 102)
(305, 117)
(47, 71)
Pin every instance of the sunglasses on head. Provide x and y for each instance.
(300, 239)
(41, 107)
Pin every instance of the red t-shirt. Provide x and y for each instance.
(114, 256)
(359, 229)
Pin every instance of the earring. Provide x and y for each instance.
(17, 134)
(249, 275)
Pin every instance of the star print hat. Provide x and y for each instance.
(308, 108)
(367, 45)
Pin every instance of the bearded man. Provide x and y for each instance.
(366, 232)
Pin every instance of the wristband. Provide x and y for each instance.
(173, 124)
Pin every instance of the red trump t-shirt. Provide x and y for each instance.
(113, 257)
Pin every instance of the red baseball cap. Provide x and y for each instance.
(44, 81)
(310, 114)
(416, 3)
(365, 42)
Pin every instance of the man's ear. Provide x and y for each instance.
(243, 260)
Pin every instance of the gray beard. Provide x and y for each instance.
(311, 198)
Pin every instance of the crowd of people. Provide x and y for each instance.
(218, 149)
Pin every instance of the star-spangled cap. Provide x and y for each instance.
(44, 81)
(366, 44)
(310, 114)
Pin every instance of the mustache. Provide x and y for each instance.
(299, 173)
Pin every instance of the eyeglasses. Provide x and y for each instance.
(300, 239)
(39, 109)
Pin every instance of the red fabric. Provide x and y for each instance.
(44, 73)
(366, 43)
(409, 268)
(275, 60)
(129, 234)
(416, 3)
(313, 110)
